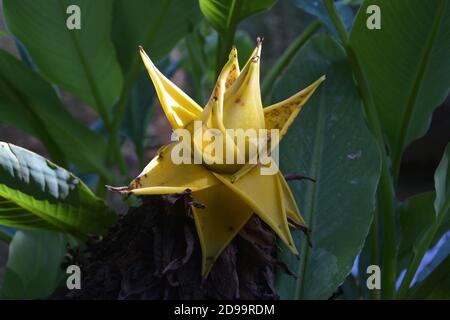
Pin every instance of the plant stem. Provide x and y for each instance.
(286, 57)
(421, 250)
(385, 189)
(226, 39)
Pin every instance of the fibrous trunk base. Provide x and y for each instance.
(153, 253)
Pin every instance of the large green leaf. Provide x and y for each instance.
(37, 194)
(330, 143)
(218, 12)
(155, 25)
(81, 61)
(407, 65)
(28, 102)
(33, 269)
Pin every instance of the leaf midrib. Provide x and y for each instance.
(101, 107)
(312, 195)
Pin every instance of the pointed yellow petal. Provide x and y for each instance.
(179, 108)
(162, 176)
(233, 74)
(263, 194)
(212, 118)
(292, 210)
(219, 222)
(282, 114)
(242, 105)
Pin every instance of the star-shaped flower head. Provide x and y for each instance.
(230, 193)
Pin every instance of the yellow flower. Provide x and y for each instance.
(231, 193)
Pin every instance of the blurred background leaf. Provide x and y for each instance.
(220, 12)
(28, 102)
(155, 25)
(436, 285)
(416, 217)
(330, 143)
(317, 9)
(442, 184)
(33, 269)
(81, 61)
(406, 64)
(5, 237)
(37, 194)
(140, 108)
(353, 2)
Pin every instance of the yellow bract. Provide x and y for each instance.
(231, 193)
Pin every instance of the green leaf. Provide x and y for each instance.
(5, 237)
(317, 9)
(140, 107)
(3, 33)
(33, 270)
(155, 25)
(329, 142)
(436, 286)
(406, 64)
(416, 217)
(37, 194)
(440, 219)
(81, 61)
(434, 257)
(29, 102)
(442, 184)
(218, 12)
(195, 62)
